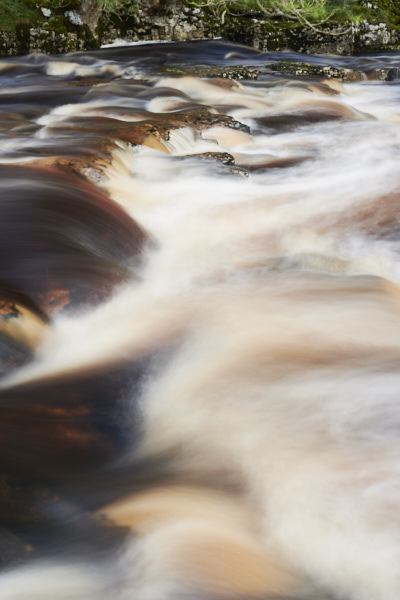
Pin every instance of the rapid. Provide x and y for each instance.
(199, 326)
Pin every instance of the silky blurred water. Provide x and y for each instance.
(199, 326)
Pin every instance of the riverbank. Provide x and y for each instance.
(57, 28)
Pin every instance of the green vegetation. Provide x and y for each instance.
(388, 11)
(303, 11)
(12, 11)
(123, 8)
(55, 5)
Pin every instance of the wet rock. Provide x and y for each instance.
(157, 125)
(33, 517)
(21, 330)
(59, 429)
(60, 235)
(222, 72)
(13, 549)
(300, 69)
(9, 120)
(271, 162)
(222, 157)
(90, 165)
(378, 75)
(307, 70)
(318, 112)
(86, 81)
(224, 83)
(393, 74)
(219, 163)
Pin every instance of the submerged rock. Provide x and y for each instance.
(63, 241)
(21, 329)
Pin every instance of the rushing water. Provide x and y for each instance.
(200, 328)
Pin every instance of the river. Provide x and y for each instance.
(199, 325)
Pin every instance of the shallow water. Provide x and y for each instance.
(199, 327)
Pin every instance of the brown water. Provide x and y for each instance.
(200, 328)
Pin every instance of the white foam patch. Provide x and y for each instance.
(124, 42)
